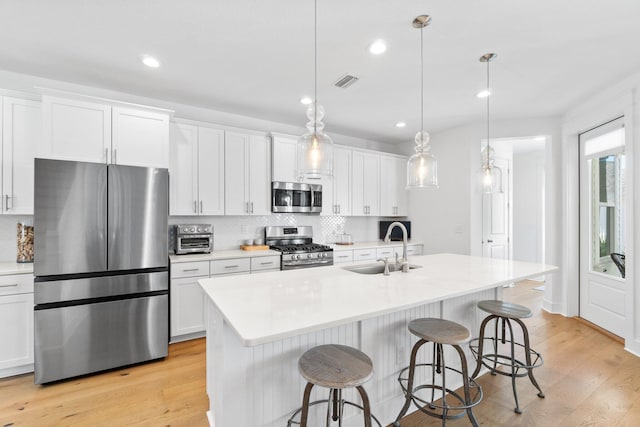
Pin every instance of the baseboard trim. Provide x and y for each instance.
(601, 330)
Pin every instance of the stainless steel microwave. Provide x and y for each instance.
(296, 197)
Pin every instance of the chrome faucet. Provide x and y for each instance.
(404, 262)
(386, 265)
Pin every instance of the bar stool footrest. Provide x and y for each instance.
(291, 421)
(494, 360)
(437, 410)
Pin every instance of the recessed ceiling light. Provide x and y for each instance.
(377, 47)
(305, 100)
(150, 61)
(483, 93)
(400, 124)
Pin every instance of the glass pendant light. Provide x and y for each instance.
(422, 167)
(489, 175)
(314, 150)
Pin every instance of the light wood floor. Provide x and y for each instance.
(588, 378)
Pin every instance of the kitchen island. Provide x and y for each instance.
(259, 325)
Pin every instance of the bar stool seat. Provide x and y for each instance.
(335, 367)
(449, 404)
(518, 358)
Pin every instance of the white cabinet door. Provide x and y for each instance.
(283, 159)
(210, 163)
(16, 331)
(75, 130)
(140, 138)
(187, 306)
(342, 185)
(21, 132)
(393, 194)
(366, 181)
(183, 181)
(260, 175)
(236, 174)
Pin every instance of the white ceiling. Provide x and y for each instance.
(255, 57)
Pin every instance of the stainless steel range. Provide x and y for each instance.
(297, 247)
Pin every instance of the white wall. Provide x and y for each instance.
(528, 205)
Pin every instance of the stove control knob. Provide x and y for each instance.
(308, 255)
(297, 256)
(193, 229)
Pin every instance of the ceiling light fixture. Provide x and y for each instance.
(377, 47)
(305, 100)
(314, 149)
(400, 124)
(490, 179)
(422, 167)
(150, 61)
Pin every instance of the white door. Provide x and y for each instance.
(495, 218)
(188, 314)
(372, 183)
(401, 186)
(183, 180)
(16, 330)
(210, 171)
(602, 226)
(22, 131)
(283, 162)
(388, 193)
(260, 175)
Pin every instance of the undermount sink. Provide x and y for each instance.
(376, 268)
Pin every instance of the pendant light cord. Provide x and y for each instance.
(315, 66)
(421, 87)
(488, 97)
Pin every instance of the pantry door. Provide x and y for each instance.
(495, 217)
(602, 226)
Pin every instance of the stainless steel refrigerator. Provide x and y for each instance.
(101, 267)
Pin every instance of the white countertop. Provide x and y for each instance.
(368, 245)
(283, 304)
(234, 253)
(7, 268)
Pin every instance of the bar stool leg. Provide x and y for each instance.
(365, 405)
(514, 370)
(442, 370)
(465, 381)
(481, 346)
(305, 405)
(412, 368)
(525, 334)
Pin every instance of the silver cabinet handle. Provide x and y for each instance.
(338, 208)
(246, 207)
(365, 254)
(200, 206)
(6, 202)
(266, 263)
(343, 256)
(231, 266)
(489, 241)
(195, 206)
(13, 285)
(115, 152)
(251, 207)
(189, 269)
(106, 155)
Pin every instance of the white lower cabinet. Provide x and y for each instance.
(188, 314)
(16, 324)
(266, 263)
(341, 257)
(364, 255)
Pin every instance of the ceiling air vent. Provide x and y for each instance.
(346, 81)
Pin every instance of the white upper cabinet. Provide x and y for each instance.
(283, 158)
(247, 174)
(366, 183)
(103, 132)
(342, 185)
(393, 194)
(139, 137)
(21, 131)
(196, 170)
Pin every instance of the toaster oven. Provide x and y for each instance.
(193, 238)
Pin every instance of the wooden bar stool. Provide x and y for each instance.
(511, 357)
(439, 332)
(335, 367)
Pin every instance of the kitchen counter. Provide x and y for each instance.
(7, 268)
(257, 329)
(215, 255)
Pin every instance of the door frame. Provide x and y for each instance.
(599, 113)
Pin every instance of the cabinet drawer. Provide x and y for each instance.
(265, 263)
(384, 253)
(16, 284)
(364, 254)
(411, 250)
(342, 256)
(189, 269)
(235, 265)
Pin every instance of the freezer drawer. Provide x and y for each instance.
(81, 339)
